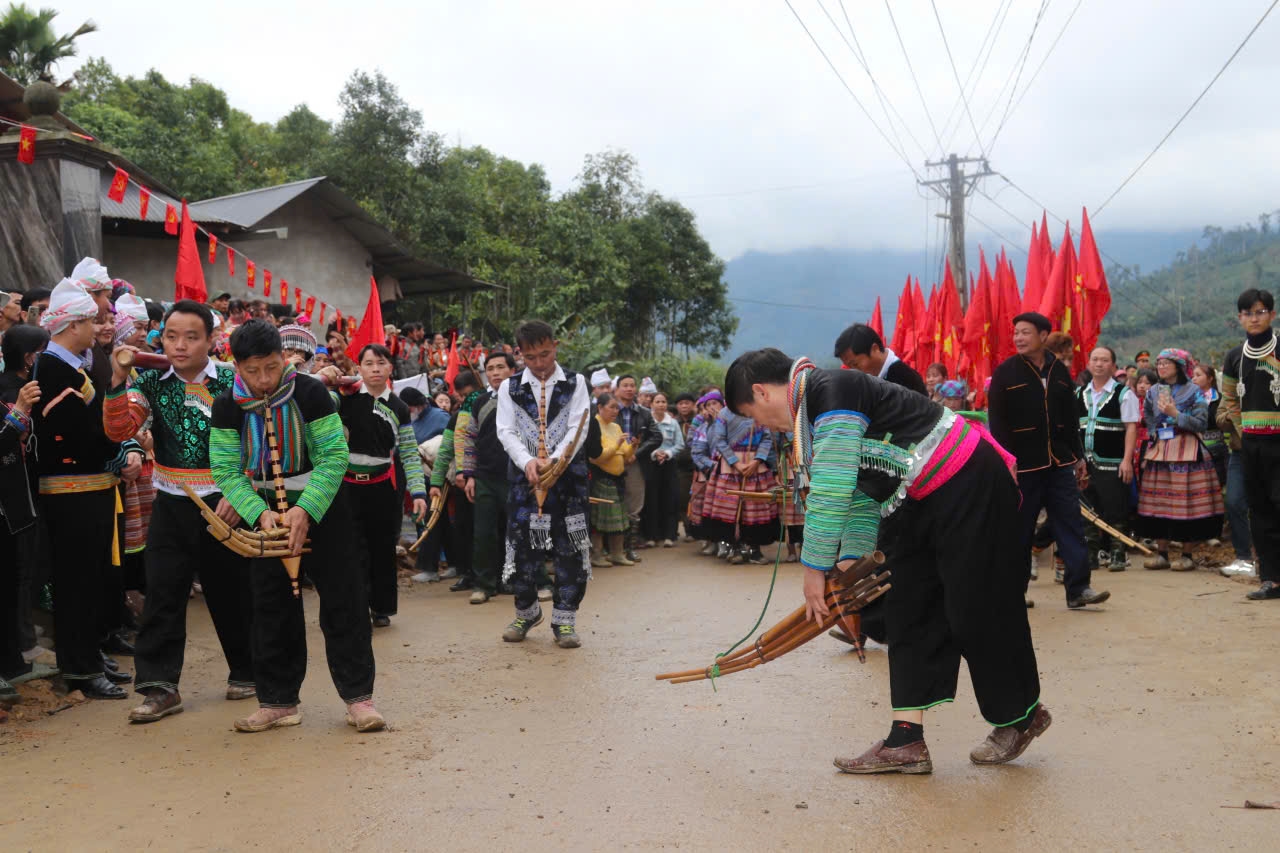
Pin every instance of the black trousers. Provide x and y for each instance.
(1109, 497)
(11, 605)
(459, 535)
(280, 632)
(490, 533)
(958, 592)
(81, 529)
(376, 512)
(661, 501)
(178, 548)
(1055, 490)
(1261, 458)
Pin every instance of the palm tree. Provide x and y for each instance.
(28, 47)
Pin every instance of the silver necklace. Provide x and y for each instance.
(1259, 353)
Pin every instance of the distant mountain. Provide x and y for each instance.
(799, 301)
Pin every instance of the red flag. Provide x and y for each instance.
(311, 305)
(877, 320)
(189, 276)
(351, 329)
(323, 308)
(950, 322)
(144, 202)
(284, 292)
(297, 300)
(924, 324)
(370, 330)
(251, 271)
(27, 145)
(904, 326)
(213, 248)
(1093, 277)
(337, 319)
(977, 326)
(266, 282)
(1036, 274)
(170, 219)
(231, 263)
(918, 310)
(452, 368)
(1046, 246)
(118, 185)
(1006, 308)
(1059, 300)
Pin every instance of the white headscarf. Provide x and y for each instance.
(67, 303)
(134, 307)
(601, 378)
(91, 275)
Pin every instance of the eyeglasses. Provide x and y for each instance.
(1255, 315)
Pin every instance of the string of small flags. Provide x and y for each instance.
(302, 303)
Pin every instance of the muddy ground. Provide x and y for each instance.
(1163, 699)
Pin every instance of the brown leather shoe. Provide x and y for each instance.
(1006, 743)
(157, 705)
(912, 758)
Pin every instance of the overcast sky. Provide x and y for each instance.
(725, 102)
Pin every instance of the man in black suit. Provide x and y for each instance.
(1032, 413)
(860, 347)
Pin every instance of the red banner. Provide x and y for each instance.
(144, 202)
(118, 185)
(170, 219)
(27, 145)
(266, 282)
(213, 248)
(250, 271)
(231, 262)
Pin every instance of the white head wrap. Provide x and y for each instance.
(67, 303)
(134, 307)
(600, 378)
(647, 386)
(91, 275)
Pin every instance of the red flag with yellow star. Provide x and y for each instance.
(284, 292)
(231, 263)
(144, 202)
(311, 305)
(213, 248)
(251, 271)
(297, 300)
(118, 185)
(27, 145)
(323, 308)
(170, 219)
(266, 282)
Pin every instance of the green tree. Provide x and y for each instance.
(29, 49)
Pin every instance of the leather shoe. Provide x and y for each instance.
(98, 688)
(1086, 597)
(1006, 743)
(1269, 589)
(912, 758)
(116, 644)
(157, 705)
(115, 676)
(108, 662)
(461, 586)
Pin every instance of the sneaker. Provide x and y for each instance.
(566, 637)
(448, 574)
(479, 597)
(1156, 562)
(236, 692)
(738, 557)
(1268, 590)
(1119, 560)
(723, 550)
(157, 705)
(632, 556)
(268, 718)
(1242, 568)
(365, 717)
(1035, 571)
(708, 549)
(1102, 560)
(1182, 564)
(544, 594)
(1087, 597)
(648, 543)
(520, 628)
(754, 556)
(423, 577)
(667, 543)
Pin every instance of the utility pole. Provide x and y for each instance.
(953, 188)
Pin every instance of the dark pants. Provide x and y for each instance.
(33, 550)
(1108, 495)
(490, 533)
(179, 548)
(376, 513)
(459, 534)
(81, 529)
(280, 631)
(567, 544)
(11, 605)
(1238, 508)
(958, 592)
(1261, 458)
(661, 501)
(1055, 491)
(684, 486)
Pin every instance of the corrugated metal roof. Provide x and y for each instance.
(247, 209)
(131, 207)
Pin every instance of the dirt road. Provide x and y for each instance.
(1164, 710)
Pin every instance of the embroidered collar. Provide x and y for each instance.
(210, 371)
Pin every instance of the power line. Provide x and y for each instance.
(937, 137)
(982, 69)
(852, 94)
(1048, 54)
(954, 112)
(1194, 103)
(1022, 65)
(788, 188)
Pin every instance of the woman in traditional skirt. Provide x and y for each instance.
(607, 470)
(709, 406)
(743, 454)
(1179, 498)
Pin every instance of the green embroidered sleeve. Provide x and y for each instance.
(227, 465)
(444, 460)
(412, 462)
(833, 513)
(327, 449)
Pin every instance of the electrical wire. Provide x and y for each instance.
(1194, 103)
(847, 88)
(1048, 54)
(1021, 66)
(924, 104)
(954, 112)
(977, 80)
